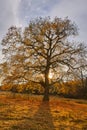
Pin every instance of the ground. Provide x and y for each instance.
(28, 112)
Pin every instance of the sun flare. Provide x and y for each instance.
(50, 75)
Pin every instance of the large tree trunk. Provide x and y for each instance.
(46, 83)
(46, 94)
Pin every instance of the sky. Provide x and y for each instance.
(20, 12)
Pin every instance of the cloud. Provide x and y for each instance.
(76, 10)
(8, 15)
(20, 12)
(30, 9)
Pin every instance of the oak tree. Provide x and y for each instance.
(42, 52)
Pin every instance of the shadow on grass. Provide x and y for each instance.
(42, 120)
(43, 117)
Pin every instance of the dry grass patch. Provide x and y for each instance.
(28, 112)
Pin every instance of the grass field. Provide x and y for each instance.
(28, 112)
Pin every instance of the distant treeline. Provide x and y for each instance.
(70, 89)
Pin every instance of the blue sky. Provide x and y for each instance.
(20, 12)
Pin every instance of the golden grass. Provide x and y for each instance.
(28, 112)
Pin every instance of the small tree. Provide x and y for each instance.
(42, 53)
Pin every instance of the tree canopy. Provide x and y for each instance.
(42, 52)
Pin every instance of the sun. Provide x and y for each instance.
(50, 75)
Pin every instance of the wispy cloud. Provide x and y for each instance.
(8, 15)
(16, 12)
(76, 10)
(33, 8)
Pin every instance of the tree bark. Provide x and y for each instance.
(46, 94)
(46, 88)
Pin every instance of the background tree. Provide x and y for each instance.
(42, 53)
